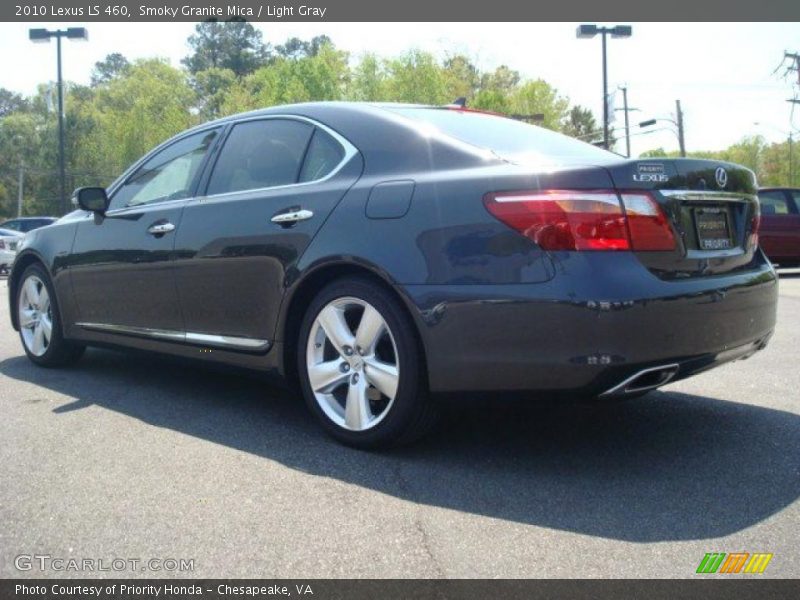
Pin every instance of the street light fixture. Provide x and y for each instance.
(678, 131)
(618, 31)
(43, 36)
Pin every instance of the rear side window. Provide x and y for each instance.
(796, 197)
(260, 154)
(323, 156)
(773, 203)
(510, 139)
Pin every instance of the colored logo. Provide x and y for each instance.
(734, 562)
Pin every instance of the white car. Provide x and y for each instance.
(9, 240)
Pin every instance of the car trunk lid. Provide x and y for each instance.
(712, 208)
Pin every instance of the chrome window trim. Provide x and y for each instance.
(349, 152)
(203, 339)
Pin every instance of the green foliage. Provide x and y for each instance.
(11, 102)
(113, 65)
(234, 45)
(131, 107)
(322, 76)
(580, 123)
(539, 97)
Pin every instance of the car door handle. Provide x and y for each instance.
(160, 228)
(292, 216)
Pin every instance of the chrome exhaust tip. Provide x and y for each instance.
(644, 380)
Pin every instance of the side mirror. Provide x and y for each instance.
(93, 199)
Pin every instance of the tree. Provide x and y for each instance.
(283, 81)
(462, 77)
(137, 111)
(368, 82)
(539, 97)
(502, 79)
(295, 48)
(234, 45)
(580, 123)
(113, 65)
(11, 102)
(211, 88)
(416, 77)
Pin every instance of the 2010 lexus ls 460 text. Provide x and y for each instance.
(376, 254)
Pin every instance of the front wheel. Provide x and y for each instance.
(40, 322)
(361, 368)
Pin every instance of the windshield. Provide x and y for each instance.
(510, 139)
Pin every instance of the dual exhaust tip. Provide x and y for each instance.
(644, 380)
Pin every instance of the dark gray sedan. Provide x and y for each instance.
(377, 255)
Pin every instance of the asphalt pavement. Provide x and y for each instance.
(135, 457)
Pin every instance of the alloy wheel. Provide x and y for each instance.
(352, 363)
(35, 316)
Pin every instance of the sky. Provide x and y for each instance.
(721, 72)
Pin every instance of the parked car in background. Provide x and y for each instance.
(26, 224)
(376, 253)
(779, 234)
(8, 248)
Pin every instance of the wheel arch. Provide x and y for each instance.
(314, 279)
(22, 262)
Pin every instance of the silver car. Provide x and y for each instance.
(9, 240)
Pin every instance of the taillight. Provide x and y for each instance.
(649, 227)
(755, 225)
(584, 220)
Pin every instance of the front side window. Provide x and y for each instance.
(260, 154)
(773, 203)
(168, 175)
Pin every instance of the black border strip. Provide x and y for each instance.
(703, 587)
(409, 10)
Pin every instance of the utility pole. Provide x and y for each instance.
(679, 118)
(626, 110)
(796, 58)
(791, 162)
(19, 187)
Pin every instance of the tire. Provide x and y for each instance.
(39, 309)
(383, 383)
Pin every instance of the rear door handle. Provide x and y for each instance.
(159, 229)
(291, 217)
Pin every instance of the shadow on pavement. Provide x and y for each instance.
(669, 467)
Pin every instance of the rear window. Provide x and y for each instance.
(512, 140)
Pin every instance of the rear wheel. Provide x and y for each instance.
(40, 322)
(360, 366)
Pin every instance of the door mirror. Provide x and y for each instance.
(93, 199)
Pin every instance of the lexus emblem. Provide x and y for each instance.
(721, 176)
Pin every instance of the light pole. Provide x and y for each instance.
(43, 36)
(618, 31)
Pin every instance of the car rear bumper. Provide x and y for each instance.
(597, 322)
